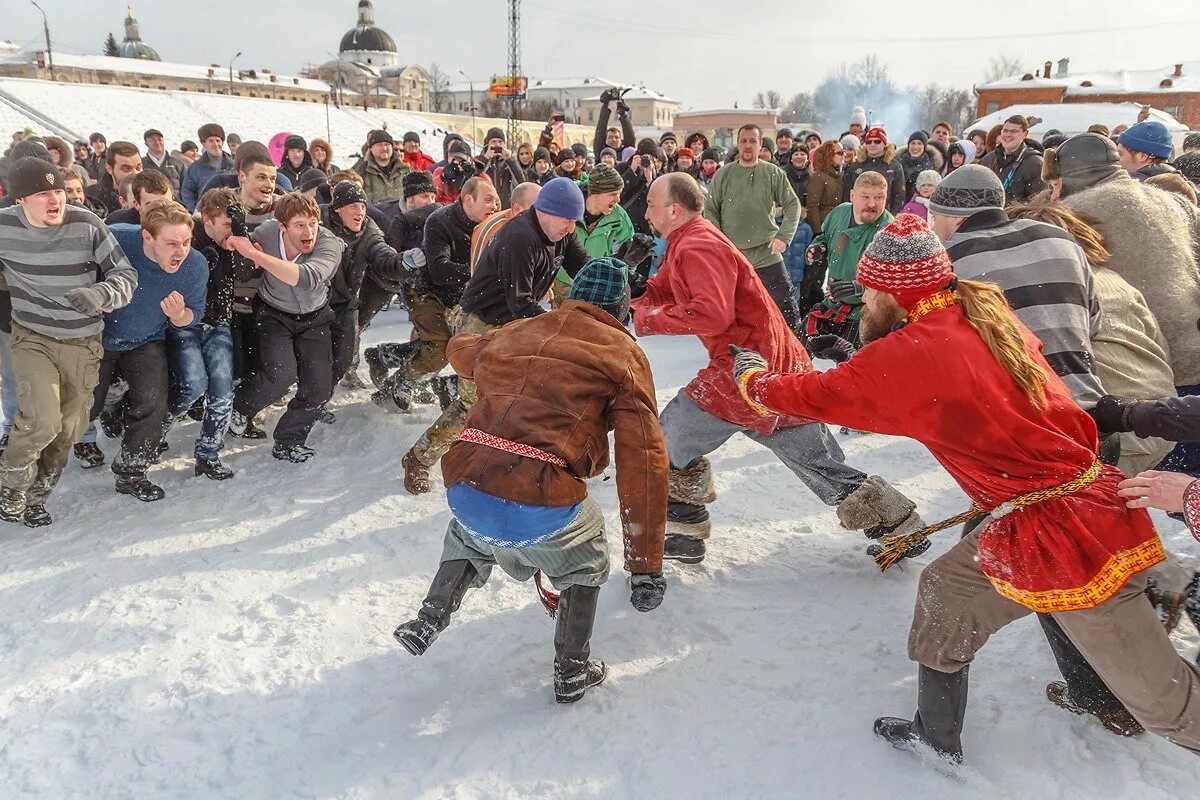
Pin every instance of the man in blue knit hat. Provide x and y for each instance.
(509, 283)
(1143, 150)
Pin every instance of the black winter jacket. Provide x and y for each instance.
(1021, 173)
(364, 249)
(447, 248)
(888, 169)
(225, 269)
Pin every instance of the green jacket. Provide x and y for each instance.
(380, 184)
(742, 202)
(608, 235)
(846, 245)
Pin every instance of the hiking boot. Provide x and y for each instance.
(446, 592)
(239, 425)
(375, 368)
(89, 454)
(213, 469)
(574, 673)
(416, 474)
(296, 453)
(112, 423)
(684, 549)
(1116, 720)
(36, 516)
(12, 505)
(140, 487)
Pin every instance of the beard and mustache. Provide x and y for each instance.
(879, 322)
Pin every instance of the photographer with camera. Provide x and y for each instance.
(500, 167)
(460, 167)
(616, 138)
(638, 173)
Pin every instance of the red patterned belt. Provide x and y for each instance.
(476, 436)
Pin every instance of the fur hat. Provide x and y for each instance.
(1082, 161)
(210, 129)
(928, 177)
(906, 259)
(295, 142)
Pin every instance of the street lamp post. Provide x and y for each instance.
(46, 27)
(235, 58)
(471, 84)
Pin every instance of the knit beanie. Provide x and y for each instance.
(412, 136)
(210, 129)
(604, 178)
(858, 116)
(188, 144)
(310, 179)
(542, 154)
(850, 142)
(379, 136)
(30, 148)
(1191, 140)
(1082, 161)
(294, 142)
(608, 151)
(418, 181)
(1150, 137)
(233, 138)
(494, 133)
(581, 151)
(877, 133)
(346, 193)
(782, 132)
(928, 177)
(1188, 165)
(921, 135)
(603, 282)
(560, 197)
(30, 175)
(646, 147)
(627, 153)
(668, 136)
(968, 190)
(711, 154)
(686, 152)
(906, 260)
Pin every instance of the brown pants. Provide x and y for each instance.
(436, 440)
(431, 330)
(958, 610)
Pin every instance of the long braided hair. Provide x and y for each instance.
(986, 310)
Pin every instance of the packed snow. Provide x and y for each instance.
(234, 641)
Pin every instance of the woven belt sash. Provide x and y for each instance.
(476, 436)
(895, 546)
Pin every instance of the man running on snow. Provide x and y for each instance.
(948, 364)
(516, 477)
(706, 288)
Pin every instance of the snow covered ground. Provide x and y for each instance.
(234, 641)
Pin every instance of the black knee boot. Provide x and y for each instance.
(573, 672)
(445, 594)
(941, 704)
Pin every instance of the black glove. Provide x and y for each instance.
(1109, 414)
(831, 346)
(816, 254)
(745, 361)
(607, 96)
(622, 109)
(844, 291)
(647, 590)
(237, 220)
(637, 249)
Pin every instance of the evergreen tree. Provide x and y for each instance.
(110, 46)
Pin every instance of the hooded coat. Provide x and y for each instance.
(329, 167)
(66, 161)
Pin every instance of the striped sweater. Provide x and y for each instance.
(40, 265)
(1047, 281)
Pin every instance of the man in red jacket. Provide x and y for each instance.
(948, 364)
(706, 288)
(412, 155)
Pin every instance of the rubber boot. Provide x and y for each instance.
(941, 705)
(574, 674)
(451, 582)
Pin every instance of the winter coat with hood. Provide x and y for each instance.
(602, 382)
(382, 182)
(418, 160)
(887, 166)
(66, 161)
(1154, 239)
(329, 167)
(287, 169)
(450, 139)
(964, 146)
(365, 249)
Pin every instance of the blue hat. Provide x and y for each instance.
(561, 197)
(1150, 137)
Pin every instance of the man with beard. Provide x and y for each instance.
(171, 291)
(875, 154)
(947, 363)
(298, 260)
(706, 288)
(382, 168)
(741, 204)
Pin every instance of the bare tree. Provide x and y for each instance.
(1001, 66)
(800, 108)
(769, 99)
(439, 86)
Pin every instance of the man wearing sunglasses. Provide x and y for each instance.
(1018, 165)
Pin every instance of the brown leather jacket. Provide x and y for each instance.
(560, 382)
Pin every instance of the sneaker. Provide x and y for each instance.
(213, 468)
(326, 417)
(36, 516)
(141, 488)
(684, 549)
(296, 453)
(375, 368)
(390, 400)
(352, 380)
(89, 454)
(416, 474)
(12, 505)
(112, 423)
(239, 425)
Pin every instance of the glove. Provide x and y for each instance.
(844, 291)
(622, 109)
(237, 220)
(745, 361)
(86, 300)
(637, 249)
(607, 96)
(1109, 414)
(816, 254)
(646, 590)
(414, 261)
(832, 347)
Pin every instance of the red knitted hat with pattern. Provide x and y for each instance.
(905, 259)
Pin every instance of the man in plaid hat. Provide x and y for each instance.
(516, 476)
(965, 378)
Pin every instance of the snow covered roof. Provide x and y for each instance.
(549, 84)
(1072, 118)
(1140, 81)
(169, 69)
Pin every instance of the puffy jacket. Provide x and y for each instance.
(601, 382)
(365, 249)
(383, 183)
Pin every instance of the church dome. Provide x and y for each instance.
(133, 46)
(365, 36)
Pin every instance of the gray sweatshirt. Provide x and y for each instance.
(316, 271)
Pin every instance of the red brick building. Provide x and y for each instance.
(1174, 89)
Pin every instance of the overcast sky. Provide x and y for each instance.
(705, 53)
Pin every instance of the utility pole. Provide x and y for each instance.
(235, 58)
(471, 85)
(46, 27)
(514, 65)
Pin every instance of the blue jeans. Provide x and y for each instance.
(8, 385)
(201, 362)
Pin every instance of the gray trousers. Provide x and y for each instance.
(809, 451)
(576, 555)
(957, 611)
